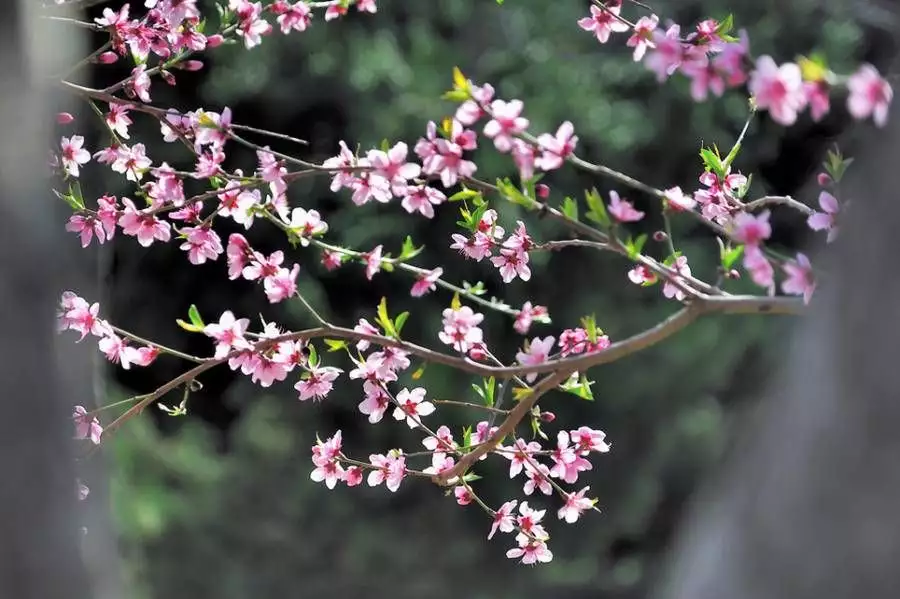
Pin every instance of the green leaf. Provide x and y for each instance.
(313, 356)
(400, 321)
(579, 387)
(336, 344)
(465, 194)
(490, 385)
(589, 324)
(570, 208)
(712, 161)
(455, 95)
(729, 255)
(409, 250)
(467, 436)
(384, 320)
(419, 372)
(194, 315)
(633, 247)
(188, 326)
(455, 303)
(596, 208)
(512, 194)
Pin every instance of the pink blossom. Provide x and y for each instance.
(870, 95)
(642, 38)
(512, 263)
(118, 120)
(817, 97)
(504, 520)
(751, 230)
(422, 199)
(778, 89)
(587, 440)
(145, 226)
(228, 334)
(393, 167)
(282, 285)
(373, 261)
(295, 16)
(390, 469)
(603, 21)
(705, 77)
(375, 403)
(759, 267)
(538, 479)
(202, 244)
(76, 314)
(265, 371)
(461, 328)
(86, 426)
(73, 154)
(529, 314)
(251, 26)
(133, 162)
(306, 223)
(667, 54)
(622, 210)
(318, 384)
(426, 282)
(139, 84)
(576, 504)
(677, 200)
(261, 267)
(463, 495)
(535, 353)
(577, 341)
(556, 148)
(442, 442)
(332, 260)
(642, 275)
(567, 462)
(799, 279)
(825, 220)
(670, 289)
(520, 455)
(353, 476)
(411, 406)
(506, 122)
(237, 252)
(470, 111)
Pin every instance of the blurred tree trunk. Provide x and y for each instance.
(40, 524)
(807, 505)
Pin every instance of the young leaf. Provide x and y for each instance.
(400, 321)
(335, 344)
(579, 387)
(455, 303)
(490, 384)
(384, 320)
(313, 356)
(194, 315)
(570, 208)
(596, 209)
(418, 373)
(188, 326)
(633, 247)
(465, 194)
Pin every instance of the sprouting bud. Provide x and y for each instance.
(733, 274)
(548, 416)
(107, 58)
(214, 40)
(543, 191)
(64, 118)
(191, 65)
(168, 77)
(824, 179)
(660, 236)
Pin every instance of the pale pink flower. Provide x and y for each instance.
(535, 353)
(393, 167)
(411, 406)
(556, 148)
(282, 285)
(73, 154)
(818, 98)
(778, 89)
(426, 282)
(751, 230)
(825, 220)
(799, 279)
(870, 95)
(373, 261)
(460, 328)
(228, 334)
(504, 520)
(86, 426)
(118, 120)
(143, 225)
(318, 383)
(375, 403)
(670, 289)
(623, 210)
(139, 83)
(422, 199)
(642, 37)
(529, 314)
(506, 123)
(512, 263)
(576, 504)
(603, 21)
(678, 201)
(759, 267)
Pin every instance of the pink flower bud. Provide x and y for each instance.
(543, 191)
(478, 352)
(824, 179)
(279, 7)
(191, 65)
(168, 77)
(733, 274)
(660, 236)
(64, 118)
(548, 416)
(107, 58)
(214, 41)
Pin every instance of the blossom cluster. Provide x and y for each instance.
(184, 206)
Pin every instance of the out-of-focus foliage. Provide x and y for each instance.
(249, 523)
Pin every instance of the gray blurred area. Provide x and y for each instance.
(753, 457)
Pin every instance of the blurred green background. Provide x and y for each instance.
(219, 504)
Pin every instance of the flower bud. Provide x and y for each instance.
(733, 274)
(824, 179)
(168, 77)
(478, 353)
(107, 58)
(64, 118)
(191, 65)
(543, 191)
(660, 236)
(548, 416)
(214, 41)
